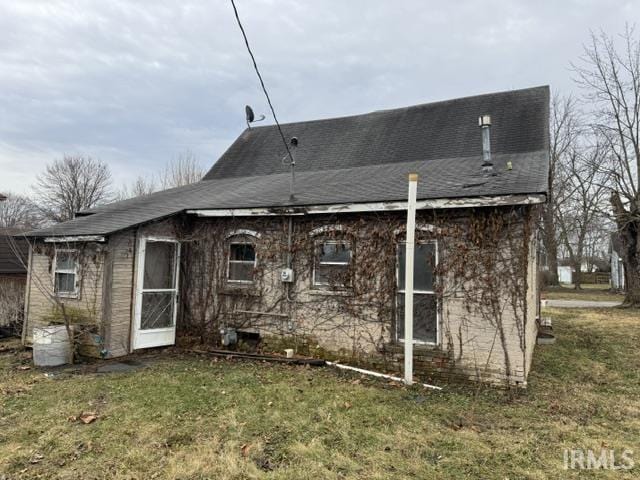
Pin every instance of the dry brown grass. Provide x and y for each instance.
(193, 418)
(596, 293)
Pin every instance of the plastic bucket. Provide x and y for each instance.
(51, 346)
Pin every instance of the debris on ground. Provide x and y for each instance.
(85, 417)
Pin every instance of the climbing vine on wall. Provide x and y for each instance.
(483, 265)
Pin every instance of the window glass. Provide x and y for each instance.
(65, 260)
(331, 265)
(159, 265)
(423, 266)
(425, 317)
(65, 283)
(65, 273)
(242, 261)
(242, 252)
(334, 252)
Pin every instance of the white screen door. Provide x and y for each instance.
(156, 292)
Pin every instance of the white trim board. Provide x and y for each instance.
(79, 238)
(495, 201)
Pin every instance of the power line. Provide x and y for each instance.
(264, 88)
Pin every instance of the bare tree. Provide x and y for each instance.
(18, 212)
(185, 169)
(581, 200)
(70, 185)
(565, 129)
(141, 186)
(610, 76)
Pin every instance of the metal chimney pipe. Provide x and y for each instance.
(484, 122)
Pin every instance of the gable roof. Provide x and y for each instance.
(420, 133)
(359, 159)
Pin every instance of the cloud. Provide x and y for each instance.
(135, 83)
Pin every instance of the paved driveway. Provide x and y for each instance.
(579, 304)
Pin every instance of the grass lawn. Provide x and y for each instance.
(596, 293)
(194, 418)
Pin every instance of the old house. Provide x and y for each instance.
(315, 259)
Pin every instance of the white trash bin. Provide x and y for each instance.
(51, 346)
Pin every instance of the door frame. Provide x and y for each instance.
(156, 337)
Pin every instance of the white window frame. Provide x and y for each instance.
(317, 262)
(418, 292)
(74, 272)
(231, 241)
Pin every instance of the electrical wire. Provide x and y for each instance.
(264, 88)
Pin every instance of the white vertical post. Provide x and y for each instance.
(408, 279)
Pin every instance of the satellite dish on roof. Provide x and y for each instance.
(251, 117)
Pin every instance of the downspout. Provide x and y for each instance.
(288, 286)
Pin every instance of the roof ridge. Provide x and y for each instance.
(398, 109)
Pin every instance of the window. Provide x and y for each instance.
(242, 262)
(331, 264)
(425, 301)
(65, 281)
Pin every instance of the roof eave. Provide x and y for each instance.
(429, 204)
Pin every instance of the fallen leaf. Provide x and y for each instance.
(88, 417)
(245, 449)
(23, 367)
(347, 405)
(270, 403)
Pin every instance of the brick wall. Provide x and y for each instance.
(352, 325)
(358, 329)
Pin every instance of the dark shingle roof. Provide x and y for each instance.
(426, 132)
(14, 253)
(361, 159)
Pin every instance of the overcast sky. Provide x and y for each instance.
(135, 83)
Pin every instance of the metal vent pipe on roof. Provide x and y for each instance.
(484, 122)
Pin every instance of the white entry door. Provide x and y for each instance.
(156, 292)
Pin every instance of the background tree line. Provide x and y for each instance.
(595, 160)
(80, 182)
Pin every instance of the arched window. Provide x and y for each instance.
(242, 258)
(332, 258)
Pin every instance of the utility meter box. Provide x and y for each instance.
(286, 275)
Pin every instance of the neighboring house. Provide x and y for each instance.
(565, 274)
(13, 278)
(617, 264)
(323, 270)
